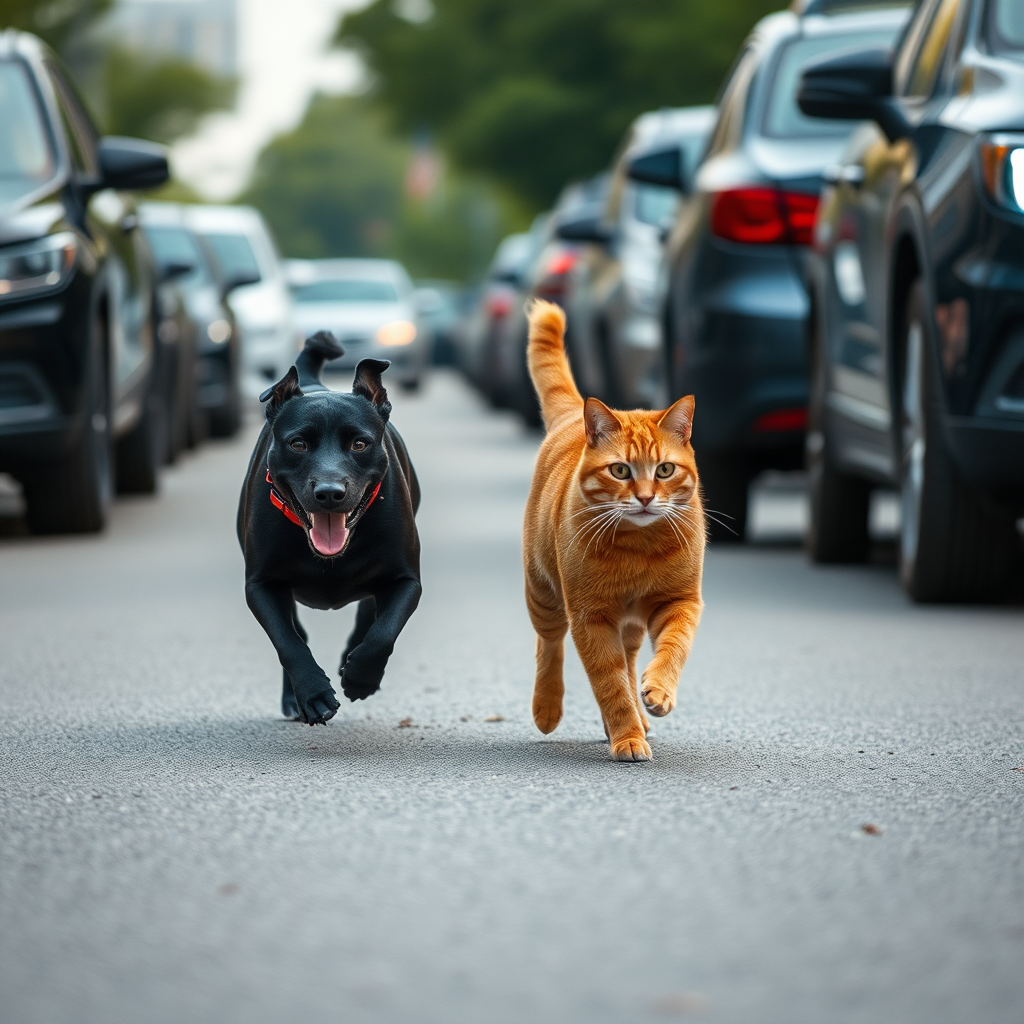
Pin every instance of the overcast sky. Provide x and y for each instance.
(282, 59)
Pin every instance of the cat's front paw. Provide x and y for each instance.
(631, 748)
(547, 714)
(658, 701)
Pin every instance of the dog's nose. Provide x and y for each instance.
(329, 496)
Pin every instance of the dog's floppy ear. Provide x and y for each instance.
(287, 387)
(368, 384)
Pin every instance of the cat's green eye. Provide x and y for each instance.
(665, 470)
(619, 470)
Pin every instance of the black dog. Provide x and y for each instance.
(326, 518)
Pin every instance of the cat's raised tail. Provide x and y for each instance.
(548, 364)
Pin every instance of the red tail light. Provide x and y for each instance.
(764, 216)
(561, 263)
(499, 305)
(781, 420)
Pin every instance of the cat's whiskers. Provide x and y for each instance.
(599, 520)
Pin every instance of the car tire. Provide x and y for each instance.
(139, 454)
(953, 545)
(725, 485)
(72, 494)
(225, 420)
(838, 531)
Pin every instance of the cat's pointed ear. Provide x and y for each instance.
(367, 383)
(678, 419)
(598, 420)
(286, 388)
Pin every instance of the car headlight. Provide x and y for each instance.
(396, 332)
(1002, 169)
(219, 331)
(39, 266)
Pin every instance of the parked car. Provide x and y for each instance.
(197, 320)
(79, 391)
(245, 261)
(616, 329)
(442, 306)
(496, 299)
(917, 290)
(370, 307)
(736, 304)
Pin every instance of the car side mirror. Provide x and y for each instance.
(854, 86)
(131, 163)
(238, 281)
(664, 167)
(584, 229)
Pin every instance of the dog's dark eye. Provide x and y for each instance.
(359, 446)
(297, 445)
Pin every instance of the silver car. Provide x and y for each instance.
(370, 307)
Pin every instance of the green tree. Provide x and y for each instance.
(335, 186)
(537, 92)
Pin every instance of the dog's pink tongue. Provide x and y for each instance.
(329, 532)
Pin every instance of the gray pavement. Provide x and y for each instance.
(171, 851)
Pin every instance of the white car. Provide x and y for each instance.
(369, 306)
(250, 271)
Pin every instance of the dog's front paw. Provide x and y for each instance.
(320, 708)
(361, 675)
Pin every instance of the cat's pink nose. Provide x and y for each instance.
(645, 500)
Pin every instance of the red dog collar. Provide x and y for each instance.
(278, 502)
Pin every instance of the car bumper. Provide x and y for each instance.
(43, 356)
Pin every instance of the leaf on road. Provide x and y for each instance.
(494, 718)
(871, 830)
(405, 723)
(227, 889)
(680, 1004)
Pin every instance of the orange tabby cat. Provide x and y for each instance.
(613, 545)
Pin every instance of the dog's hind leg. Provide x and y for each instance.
(289, 705)
(366, 613)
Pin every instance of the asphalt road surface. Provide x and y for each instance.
(172, 851)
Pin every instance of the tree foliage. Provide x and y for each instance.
(537, 92)
(335, 186)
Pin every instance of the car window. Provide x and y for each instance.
(783, 119)
(729, 128)
(78, 129)
(345, 290)
(233, 256)
(175, 245)
(1004, 28)
(26, 155)
(924, 72)
(654, 204)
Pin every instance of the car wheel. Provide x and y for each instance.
(140, 453)
(725, 483)
(72, 495)
(953, 546)
(840, 504)
(226, 419)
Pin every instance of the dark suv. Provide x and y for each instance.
(78, 395)
(736, 305)
(917, 283)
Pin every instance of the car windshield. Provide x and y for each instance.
(783, 118)
(234, 256)
(172, 245)
(345, 289)
(1006, 28)
(26, 156)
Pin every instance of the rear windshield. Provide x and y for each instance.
(234, 256)
(345, 290)
(26, 156)
(782, 117)
(1006, 28)
(175, 245)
